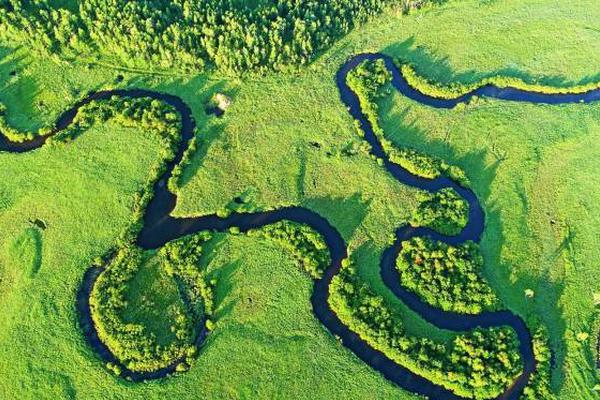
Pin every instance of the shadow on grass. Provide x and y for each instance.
(346, 214)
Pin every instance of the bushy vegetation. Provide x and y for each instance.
(457, 89)
(233, 35)
(538, 387)
(480, 364)
(305, 244)
(136, 347)
(369, 81)
(444, 211)
(445, 276)
(177, 172)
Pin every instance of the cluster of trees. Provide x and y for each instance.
(233, 35)
(133, 344)
(445, 276)
(455, 90)
(369, 81)
(479, 364)
(180, 259)
(305, 244)
(445, 211)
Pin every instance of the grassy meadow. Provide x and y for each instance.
(287, 140)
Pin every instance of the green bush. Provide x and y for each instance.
(538, 387)
(11, 133)
(480, 364)
(445, 276)
(444, 211)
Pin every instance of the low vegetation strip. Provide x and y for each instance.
(456, 90)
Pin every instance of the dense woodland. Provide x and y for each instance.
(478, 364)
(445, 276)
(233, 35)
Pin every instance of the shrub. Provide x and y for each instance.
(444, 211)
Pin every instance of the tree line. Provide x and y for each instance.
(370, 82)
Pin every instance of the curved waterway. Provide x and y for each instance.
(160, 227)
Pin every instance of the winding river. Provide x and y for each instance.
(160, 227)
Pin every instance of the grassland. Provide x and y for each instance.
(533, 168)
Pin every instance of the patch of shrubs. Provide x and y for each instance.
(176, 175)
(444, 211)
(455, 89)
(305, 244)
(188, 34)
(479, 364)
(444, 276)
(538, 387)
(369, 81)
(131, 343)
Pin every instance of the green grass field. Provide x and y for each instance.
(286, 140)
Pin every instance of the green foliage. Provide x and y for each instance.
(133, 344)
(444, 211)
(445, 276)
(188, 34)
(368, 81)
(480, 364)
(305, 244)
(175, 179)
(538, 387)
(457, 89)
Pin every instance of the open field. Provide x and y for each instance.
(288, 140)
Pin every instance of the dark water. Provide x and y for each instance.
(160, 227)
